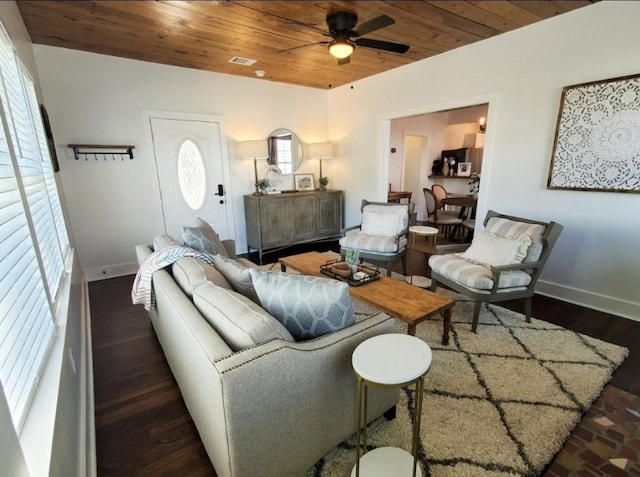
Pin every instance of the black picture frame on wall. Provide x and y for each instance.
(50, 143)
(459, 155)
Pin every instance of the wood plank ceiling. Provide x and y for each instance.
(206, 34)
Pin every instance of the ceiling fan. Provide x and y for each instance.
(345, 35)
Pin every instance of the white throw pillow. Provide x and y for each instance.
(492, 250)
(384, 225)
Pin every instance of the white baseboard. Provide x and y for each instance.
(88, 459)
(111, 271)
(607, 304)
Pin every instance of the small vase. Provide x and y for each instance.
(353, 268)
(445, 168)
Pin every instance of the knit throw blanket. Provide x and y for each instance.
(142, 291)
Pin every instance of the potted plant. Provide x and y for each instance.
(352, 257)
(474, 184)
(262, 185)
(323, 182)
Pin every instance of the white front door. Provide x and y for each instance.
(191, 167)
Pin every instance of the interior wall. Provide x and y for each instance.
(520, 75)
(98, 99)
(50, 439)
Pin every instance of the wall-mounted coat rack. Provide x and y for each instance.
(96, 150)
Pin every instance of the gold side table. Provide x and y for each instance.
(389, 361)
(423, 231)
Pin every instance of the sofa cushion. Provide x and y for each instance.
(512, 229)
(239, 321)
(373, 243)
(237, 275)
(189, 273)
(307, 306)
(489, 249)
(163, 240)
(202, 237)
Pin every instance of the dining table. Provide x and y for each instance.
(467, 204)
(397, 196)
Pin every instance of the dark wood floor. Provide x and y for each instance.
(142, 424)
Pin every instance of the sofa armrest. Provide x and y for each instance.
(301, 399)
(142, 252)
(344, 230)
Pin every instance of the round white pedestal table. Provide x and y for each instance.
(424, 231)
(391, 360)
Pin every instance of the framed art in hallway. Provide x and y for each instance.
(598, 137)
(304, 181)
(464, 169)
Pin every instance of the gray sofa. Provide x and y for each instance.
(271, 409)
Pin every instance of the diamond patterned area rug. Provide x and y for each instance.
(497, 403)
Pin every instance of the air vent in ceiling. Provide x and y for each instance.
(238, 60)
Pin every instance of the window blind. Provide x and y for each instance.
(32, 244)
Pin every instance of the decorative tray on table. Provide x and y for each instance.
(340, 271)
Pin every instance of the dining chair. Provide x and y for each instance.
(440, 192)
(447, 223)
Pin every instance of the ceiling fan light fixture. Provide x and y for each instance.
(341, 48)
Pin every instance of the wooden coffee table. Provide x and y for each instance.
(401, 300)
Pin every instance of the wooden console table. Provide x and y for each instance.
(276, 221)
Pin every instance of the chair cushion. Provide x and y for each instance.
(384, 220)
(307, 306)
(474, 275)
(373, 243)
(237, 275)
(512, 229)
(239, 321)
(189, 273)
(488, 249)
(202, 237)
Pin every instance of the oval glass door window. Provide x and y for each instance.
(191, 174)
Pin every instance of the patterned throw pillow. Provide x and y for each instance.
(307, 306)
(203, 238)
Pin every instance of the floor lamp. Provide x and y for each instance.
(256, 149)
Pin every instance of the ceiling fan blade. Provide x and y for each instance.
(293, 23)
(287, 50)
(373, 25)
(382, 45)
(344, 61)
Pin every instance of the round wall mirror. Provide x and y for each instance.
(285, 150)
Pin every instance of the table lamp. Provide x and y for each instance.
(321, 150)
(255, 149)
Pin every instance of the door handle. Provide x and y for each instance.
(220, 190)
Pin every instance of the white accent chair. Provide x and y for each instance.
(382, 233)
(502, 263)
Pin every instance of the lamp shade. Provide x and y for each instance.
(321, 150)
(256, 149)
(340, 48)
